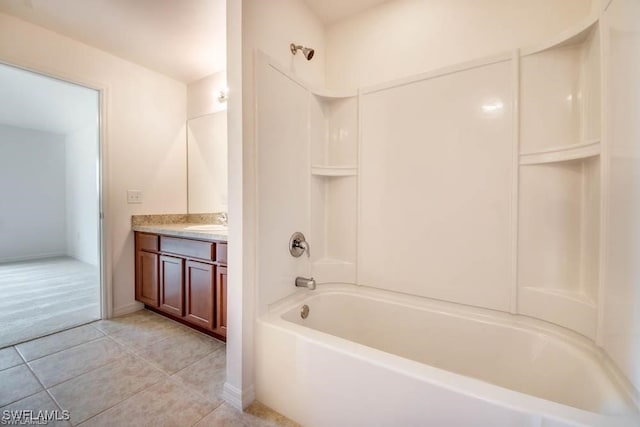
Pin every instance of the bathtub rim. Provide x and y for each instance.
(476, 388)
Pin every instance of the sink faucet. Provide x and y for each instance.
(223, 218)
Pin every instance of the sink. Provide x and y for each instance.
(207, 227)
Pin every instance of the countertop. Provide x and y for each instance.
(177, 225)
(181, 230)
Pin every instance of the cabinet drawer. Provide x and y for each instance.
(188, 248)
(147, 242)
(221, 253)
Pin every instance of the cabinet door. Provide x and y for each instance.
(147, 278)
(221, 301)
(171, 285)
(200, 288)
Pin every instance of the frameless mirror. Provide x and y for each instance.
(207, 163)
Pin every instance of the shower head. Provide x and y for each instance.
(306, 51)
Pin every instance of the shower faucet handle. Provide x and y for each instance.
(298, 245)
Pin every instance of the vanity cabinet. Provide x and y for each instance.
(172, 285)
(147, 283)
(185, 279)
(200, 294)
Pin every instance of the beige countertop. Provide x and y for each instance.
(182, 230)
(179, 226)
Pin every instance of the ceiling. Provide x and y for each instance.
(330, 11)
(33, 101)
(184, 39)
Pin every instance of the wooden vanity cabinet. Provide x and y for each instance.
(200, 288)
(147, 281)
(185, 279)
(172, 285)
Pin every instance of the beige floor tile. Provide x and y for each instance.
(9, 358)
(36, 403)
(91, 393)
(178, 352)
(140, 335)
(64, 365)
(257, 415)
(112, 325)
(206, 376)
(166, 404)
(53, 343)
(17, 383)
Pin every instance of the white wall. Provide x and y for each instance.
(283, 176)
(404, 37)
(202, 95)
(32, 194)
(269, 26)
(621, 296)
(144, 133)
(82, 203)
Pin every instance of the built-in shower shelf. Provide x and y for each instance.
(562, 154)
(331, 94)
(334, 170)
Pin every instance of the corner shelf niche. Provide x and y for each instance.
(334, 170)
(560, 93)
(559, 229)
(559, 181)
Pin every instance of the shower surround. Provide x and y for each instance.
(485, 184)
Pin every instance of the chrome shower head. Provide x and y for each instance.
(306, 51)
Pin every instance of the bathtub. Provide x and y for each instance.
(366, 357)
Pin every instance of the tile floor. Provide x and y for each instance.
(136, 370)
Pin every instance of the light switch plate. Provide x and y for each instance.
(134, 196)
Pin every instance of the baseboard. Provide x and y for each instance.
(237, 398)
(127, 309)
(33, 257)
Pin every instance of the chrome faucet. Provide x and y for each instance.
(303, 282)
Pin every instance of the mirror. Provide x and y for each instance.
(207, 163)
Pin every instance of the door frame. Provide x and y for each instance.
(104, 221)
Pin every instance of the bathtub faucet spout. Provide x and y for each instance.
(303, 282)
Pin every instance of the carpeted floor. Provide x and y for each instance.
(44, 296)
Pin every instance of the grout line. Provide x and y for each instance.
(19, 355)
(167, 377)
(34, 376)
(130, 351)
(120, 402)
(59, 351)
(117, 360)
(199, 360)
(222, 402)
(48, 334)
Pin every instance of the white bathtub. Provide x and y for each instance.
(365, 357)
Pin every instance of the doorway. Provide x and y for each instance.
(50, 188)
